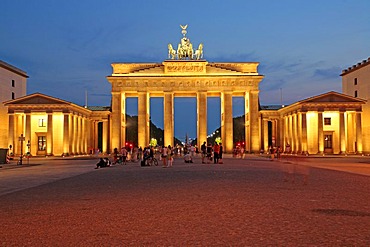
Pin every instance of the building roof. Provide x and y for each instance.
(357, 66)
(42, 100)
(99, 108)
(13, 69)
(270, 107)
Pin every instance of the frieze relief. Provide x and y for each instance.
(185, 67)
(185, 85)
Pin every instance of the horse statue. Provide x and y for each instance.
(185, 49)
(171, 52)
(199, 52)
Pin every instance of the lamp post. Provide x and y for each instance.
(21, 139)
(28, 152)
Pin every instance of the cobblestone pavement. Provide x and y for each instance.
(243, 202)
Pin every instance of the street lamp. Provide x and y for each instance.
(28, 152)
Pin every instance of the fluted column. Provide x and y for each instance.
(27, 133)
(11, 134)
(281, 132)
(359, 132)
(85, 135)
(118, 120)
(299, 132)
(143, 119)
(66, 135)
(247, 123)
(254, 122)
(289, 132)
(168, 119)
(80, 135)
(265, 135)
(320, 132)
(96, 134)
(201, 117)
(295, 133)
(49, 135)
(227, 121)
(105, 136)
(304, 144)
(19, 130)
(274, 133)
(350, 133)
(342, 133)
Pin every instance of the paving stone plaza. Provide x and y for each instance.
(243, 202)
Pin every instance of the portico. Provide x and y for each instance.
(51, 126)
(328, 123)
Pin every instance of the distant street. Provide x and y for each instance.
(243, 202)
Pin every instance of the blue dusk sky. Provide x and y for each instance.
(66, 47)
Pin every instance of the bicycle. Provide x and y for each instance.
(152, 161)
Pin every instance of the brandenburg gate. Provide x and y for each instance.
(186, 74)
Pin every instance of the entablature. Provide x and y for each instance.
(182, 84)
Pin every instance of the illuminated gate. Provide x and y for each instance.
(185, 77)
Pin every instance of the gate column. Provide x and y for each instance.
(227, 121)
(168, 119)
(143, 119)
(201, 117)
(118, 120)
(254, 122)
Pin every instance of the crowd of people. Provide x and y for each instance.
(165, 154)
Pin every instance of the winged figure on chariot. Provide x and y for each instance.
(185, 48)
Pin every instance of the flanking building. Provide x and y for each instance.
(327, 123)
(356, 82)
(13, 84)
(51, 126)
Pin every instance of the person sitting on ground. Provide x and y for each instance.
(102, 163)
(187, 158)
(107, 161)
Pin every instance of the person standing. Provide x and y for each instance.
(124, 155)
(220, 154)
(164, 156)
(169, 156)
(203, 149)
(216, 151)
(209, 153)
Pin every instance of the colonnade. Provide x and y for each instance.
(62, 133)
(305, 131)
(251, 121)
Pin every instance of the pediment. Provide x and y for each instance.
(332, 97)
(36, 99)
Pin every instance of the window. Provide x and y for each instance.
(42, 143)
(355, 81)
(327, 121)
(328, 141)
(13, 83)
(42, 122)
(356, 94)
(13, 95)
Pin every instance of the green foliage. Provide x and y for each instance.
(218, 140)
(153, 142)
